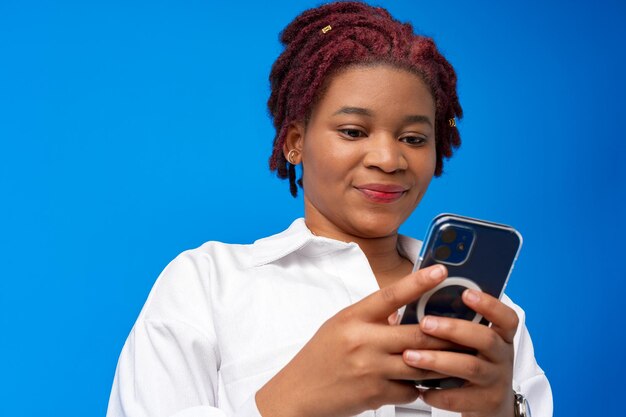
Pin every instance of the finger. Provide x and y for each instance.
(394, 318)
(382, 303)
(391, 392)
(484, 339)
(466, 399)
(502, 317)
(400, 392)
(462, 365)
(394, 367)
(397, 339)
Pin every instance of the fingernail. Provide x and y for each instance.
(471, 296)
(413, 356)
(437, 272)
(429, 323)
(394, 318)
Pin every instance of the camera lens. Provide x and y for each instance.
(442, 253)
(448, 235)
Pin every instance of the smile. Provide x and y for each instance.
(381, 193)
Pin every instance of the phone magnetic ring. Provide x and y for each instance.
(448, 282)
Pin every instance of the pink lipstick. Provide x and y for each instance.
(382, 193)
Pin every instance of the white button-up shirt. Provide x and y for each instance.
(222, 319)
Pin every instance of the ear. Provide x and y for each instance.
(294, 139)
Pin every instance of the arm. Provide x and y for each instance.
(165, 367)
(169, 363)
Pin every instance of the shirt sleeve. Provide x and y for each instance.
(528, 378)
(169, 364)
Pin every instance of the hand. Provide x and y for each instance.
(488, 390)
(354, 361)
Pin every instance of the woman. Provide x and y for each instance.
(303, 323)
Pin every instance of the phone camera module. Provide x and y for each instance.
(453, 244)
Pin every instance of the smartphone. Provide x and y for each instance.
(479, 255)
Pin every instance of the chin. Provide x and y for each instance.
(377, 226)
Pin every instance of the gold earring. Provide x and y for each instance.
(291, 156)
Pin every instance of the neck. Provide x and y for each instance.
(381, 251)
(384, 259)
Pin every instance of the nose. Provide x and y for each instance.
(386, 153)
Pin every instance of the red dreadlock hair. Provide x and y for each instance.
(360, 35)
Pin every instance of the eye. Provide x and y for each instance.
(352, 133)
(414, 140)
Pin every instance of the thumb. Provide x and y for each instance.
(384, 302)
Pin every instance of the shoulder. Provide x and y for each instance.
(197, 278)
(185, 287)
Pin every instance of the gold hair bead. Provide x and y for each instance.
(452, 122)
(326, 29)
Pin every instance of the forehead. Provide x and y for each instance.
(381, 87)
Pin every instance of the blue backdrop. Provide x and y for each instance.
(131, 131)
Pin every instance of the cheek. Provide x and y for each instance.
(432, 163)
(327, 161)
(322, 175)
(425, 164)
(315, 172)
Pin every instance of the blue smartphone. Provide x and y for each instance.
(478, 255)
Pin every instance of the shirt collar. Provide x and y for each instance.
(298, 235)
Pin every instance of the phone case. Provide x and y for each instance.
(478, 254)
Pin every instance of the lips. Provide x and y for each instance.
(382, 193)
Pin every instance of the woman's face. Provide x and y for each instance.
(368, 152)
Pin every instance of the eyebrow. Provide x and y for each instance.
(413, 118)
(354, 110)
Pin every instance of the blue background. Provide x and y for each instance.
(131, 131)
